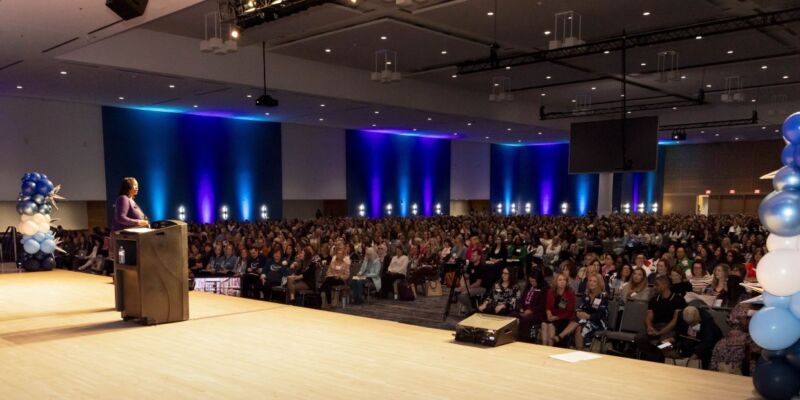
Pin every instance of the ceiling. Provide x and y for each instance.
(430, 38)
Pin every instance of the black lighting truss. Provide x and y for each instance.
(618, 109)
(249, 13)
(686, 32)
(713, 124)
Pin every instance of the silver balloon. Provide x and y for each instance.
(787, 178)
(38, 199)
(28, 208)
(780, 213)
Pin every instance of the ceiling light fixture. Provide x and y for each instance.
(249, 96)
(194, 106)
(63, 72)
(698, 37)
(376, 112)
(594, 88)
(683, 76)
(490, 13)
(327, 50)
(321, 119)
(508, 67)
(19, 87)
(322, 105)
(606, 52)
(643, 64)
(708, 85)
(172, 86)
(729, 51)
(544, 94)
(430, 119)
(540, 133)
(785, 77)
(547, 77)
(374, 125)
(444, 52)
(487, 137)
(121, 98)
(764, 67)
(454, 76)
(646, 13)
(546, 33)
(384, 37)
(266, 113)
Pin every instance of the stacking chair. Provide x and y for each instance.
(631, 325)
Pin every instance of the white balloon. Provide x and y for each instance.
(47, 219)
(775, 242)
(28, 228)
(39, 218)
(26, 217)
(43, 227)
(779, 272)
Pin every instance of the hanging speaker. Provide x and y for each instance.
(127, 9)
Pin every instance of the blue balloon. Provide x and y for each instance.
(793, 355)
(787, 178)
(28, 208)
(774, 328)
(794, 304)
(31, 246)
(773, 354)
(776, 380)
(31, 264)
(788, 156)
(38, 199)
(42, 189)
(39, 237)
(27, 176)
(791, 128)
(28, 188)
(49, 185)
(36, 176)
(48, 246)
(770, 300)
(45, 209)
(780, 213)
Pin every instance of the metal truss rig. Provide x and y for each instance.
(248, 13)
(622, 108)
(713, 124)
(686, 32)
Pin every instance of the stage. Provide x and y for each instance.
(61, 339)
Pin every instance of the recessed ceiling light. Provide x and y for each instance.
(785, 77)
(753, 101)
(764, 67)
(376, 112)
(736, 138)
(646, 13)
(777, 130)
(574, 101)
(547, 77)
(469, 123)
(540, 132)
(374, 125)
(266, 113)
(490, 13)
(454, 76)
(508, 129)
(121, 98)
(444, 51)
(546, 33)
(508, 67)
(496, 84)
(683, 76)
(729, 51)
(629, 112)
(544, 94)
(172, 86)
(63, 72)
(195, 106)
(716, 134)
(643, 64)
(455, 133)
(698, 37)
(415, 129)
(594, 88)
(708, 85)
(487, 137)
(606, 52)
(327, 50)
(321, 119)
(519, 140)
(674, 108)
(702, 131)
(622, 95)
(249, 96)
(763, 127)
(388, 63)
(430, 119)
(384, 37)
(19, 86)
(322, 105)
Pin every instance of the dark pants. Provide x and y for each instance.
(251, 286)
(526, 324)
(357, 288)
(329, 283)
(267, 291)
(387, 286)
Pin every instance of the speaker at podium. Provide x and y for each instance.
(151, 273)
(487, 330)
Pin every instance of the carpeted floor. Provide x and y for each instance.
(424, 311)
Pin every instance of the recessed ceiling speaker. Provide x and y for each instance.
(127, 9)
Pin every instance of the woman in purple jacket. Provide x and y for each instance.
(127, 213)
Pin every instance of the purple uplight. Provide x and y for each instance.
(635, 191)
(545, 196)
(375, 196)
(427, 195)
(402, 132)
(205, 197)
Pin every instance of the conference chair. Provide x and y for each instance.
(613, 317)
(631, 325)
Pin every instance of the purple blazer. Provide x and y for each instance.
(126, 214)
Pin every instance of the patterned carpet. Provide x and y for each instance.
(424, 311)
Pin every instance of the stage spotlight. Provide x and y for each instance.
(640, 208)
(389, 209)
(527, 208)
(654, 207)
(414, 209)
(626, 208)
(362, 210)
(513, 208)
(438, 208)
(499, 208)
(224, 212)
(234, 33)
(264, 212)
(182, 213)
(564, 207)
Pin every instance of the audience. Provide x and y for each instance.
(559, 310)
(502, 299)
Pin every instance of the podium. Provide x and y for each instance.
(151, 283)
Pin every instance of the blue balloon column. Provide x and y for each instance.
(776, 327)
(37, 199)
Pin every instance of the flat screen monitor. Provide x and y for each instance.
(604, 146)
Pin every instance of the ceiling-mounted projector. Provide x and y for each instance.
(266, 100)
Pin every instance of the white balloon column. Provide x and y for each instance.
(776, 327)
(37, 198)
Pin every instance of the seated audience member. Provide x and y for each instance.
(227, 263)
(679, 284)
(696, 335)
(591, 315)
(94, 261)
(662, 317)
(736, 353)
(302, 275)
(241, 263)
(471, 284)
(699, 278)
(502, 299)
(592, 268)
(636, 288)
(719, 282)
(274, 273)
(619, 279)
(752, 265)
(532, 305)
(216, 257)
(251, 281)
(559, 309)
(661, 270)
(195, 260)
(608, 266)
(370, 272)
(338, 272)
(398, 269)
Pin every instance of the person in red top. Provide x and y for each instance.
(559, 309)
(753, 265)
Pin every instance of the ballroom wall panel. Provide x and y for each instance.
(200, 162)
(539, 175)
(397, 169)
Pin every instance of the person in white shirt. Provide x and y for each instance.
(398, 268)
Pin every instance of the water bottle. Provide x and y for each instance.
(121, 255)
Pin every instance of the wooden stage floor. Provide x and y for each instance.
(61, 339)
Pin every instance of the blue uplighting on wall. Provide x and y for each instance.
(198, 162)
(539, 175)
(401, 170)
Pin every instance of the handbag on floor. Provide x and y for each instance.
(433, 288)
(405, 291)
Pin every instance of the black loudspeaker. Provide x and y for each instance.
(127, 9)
(487, 330)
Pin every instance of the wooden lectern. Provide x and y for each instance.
(151, 279)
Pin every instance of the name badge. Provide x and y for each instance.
(596, 303)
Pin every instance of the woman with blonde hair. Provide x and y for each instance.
(591, 316)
